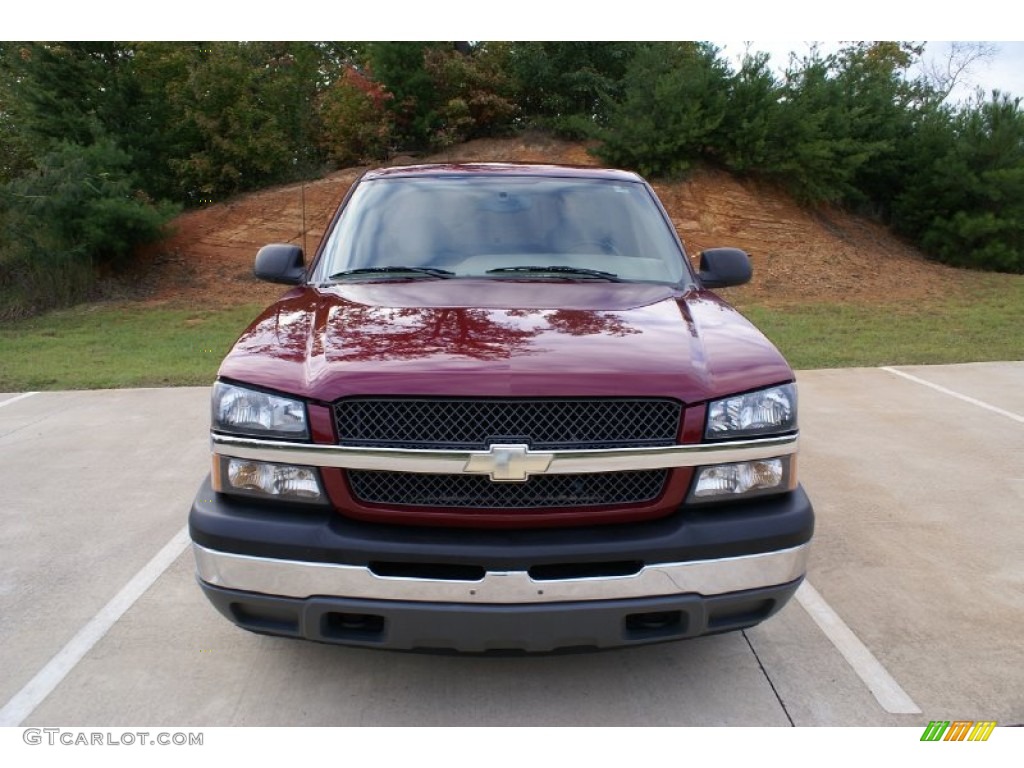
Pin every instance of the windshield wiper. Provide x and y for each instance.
(428, 271)
(559, 270)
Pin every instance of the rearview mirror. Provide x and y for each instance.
(280, 263)
(722, 267)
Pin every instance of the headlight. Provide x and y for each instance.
(765, 412)
(267, 480)
(722, 482)
(248, 412)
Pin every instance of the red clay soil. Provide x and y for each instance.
(799, 255)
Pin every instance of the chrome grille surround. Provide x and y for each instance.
(464, 463)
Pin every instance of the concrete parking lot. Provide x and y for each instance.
(913, 610)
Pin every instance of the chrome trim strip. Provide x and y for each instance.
(458, 462)
(289, 578)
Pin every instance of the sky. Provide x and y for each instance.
(777, 27)
(1003, 70)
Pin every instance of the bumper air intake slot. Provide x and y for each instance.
(560, 571)
(433, 571)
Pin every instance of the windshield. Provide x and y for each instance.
(503, 227)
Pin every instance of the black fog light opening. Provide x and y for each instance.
(265, 618)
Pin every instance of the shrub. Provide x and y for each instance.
(473, 95)
(356, 124)
(673, 102)
(965, 201)
(77, 211)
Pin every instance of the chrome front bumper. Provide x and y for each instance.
(290, 578)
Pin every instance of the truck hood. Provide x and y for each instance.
(503, 338)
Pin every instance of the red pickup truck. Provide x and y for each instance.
(500, 411)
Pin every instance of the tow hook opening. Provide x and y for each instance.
(352, 626)
(656, 624)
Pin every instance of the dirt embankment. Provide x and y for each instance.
(799, 255)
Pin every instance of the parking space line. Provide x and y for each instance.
(882, 685)
(973, 401)
(16, 398)
(25, 701)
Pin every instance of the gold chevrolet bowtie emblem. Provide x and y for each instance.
(509, 463)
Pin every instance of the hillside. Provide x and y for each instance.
(799, 255)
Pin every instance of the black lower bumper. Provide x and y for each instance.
(535, 628)
(265, 536)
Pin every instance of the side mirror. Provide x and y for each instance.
(280, 263)
(722, 267)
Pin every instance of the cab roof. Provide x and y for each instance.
(501, 169)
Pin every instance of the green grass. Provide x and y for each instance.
(99, 346)
(985, 323)
(128, 345)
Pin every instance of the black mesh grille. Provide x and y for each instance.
(478, 491)
(475, 424)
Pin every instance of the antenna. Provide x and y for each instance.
(303, 194)
(302, 197)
